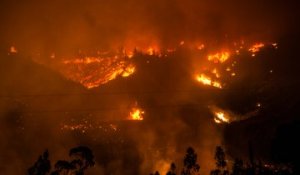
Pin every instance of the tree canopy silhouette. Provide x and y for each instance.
(190, 162)
(172, 170)
(83, 158)
(42, 166)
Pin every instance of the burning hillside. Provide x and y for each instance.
(94, 69)
(122, 87)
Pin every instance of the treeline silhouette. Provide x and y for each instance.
(239, 167)
(83, 158)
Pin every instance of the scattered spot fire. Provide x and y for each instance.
(220, 117)
(208, 81)
(136, 114)
(219, 57)
(85, 127)
(256, 48)
(13, 50)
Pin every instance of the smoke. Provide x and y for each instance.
(40, 108)
(65, 26)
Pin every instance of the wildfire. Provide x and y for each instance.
(256, 48)
(204, 79)
(200, 47)
(85, 60)
(95, 68)
(150, 51)
(128, 70)
(219, 57)
(93, 71)
(208, 81)
(215, 72)
(220, 117)
(85, 126)
(129, 54)
(136, 114)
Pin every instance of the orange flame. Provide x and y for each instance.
(100, 67)
(136, 114)
(93, 71)
(256, 48)
(200, 47)
(219, 57)
(215, 71)
(128, 70)
(150, 51)
(208, 81)
(221, 117)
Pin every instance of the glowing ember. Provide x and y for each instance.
(114, 127)
(13, 49)
(80, 127)
(258, 105)
(221, 117)
(215, 71)
(136, 114)
(219, 57)
(86, 126)
(256, 48)
(208, 81)
(150, 51)
(217, 84)
(275, 45)
(85, 60)
(200, 47)
(52, 55)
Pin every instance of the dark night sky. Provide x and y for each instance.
(66, 25)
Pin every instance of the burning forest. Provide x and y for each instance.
(130, 87)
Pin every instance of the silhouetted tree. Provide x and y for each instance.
(84, 159)
(172, 170)
(41, 166)
(215, 172)
(220, 163)
(190, 163)
(220, 157)
(63, 167)
(156, 173)
(238, 167)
